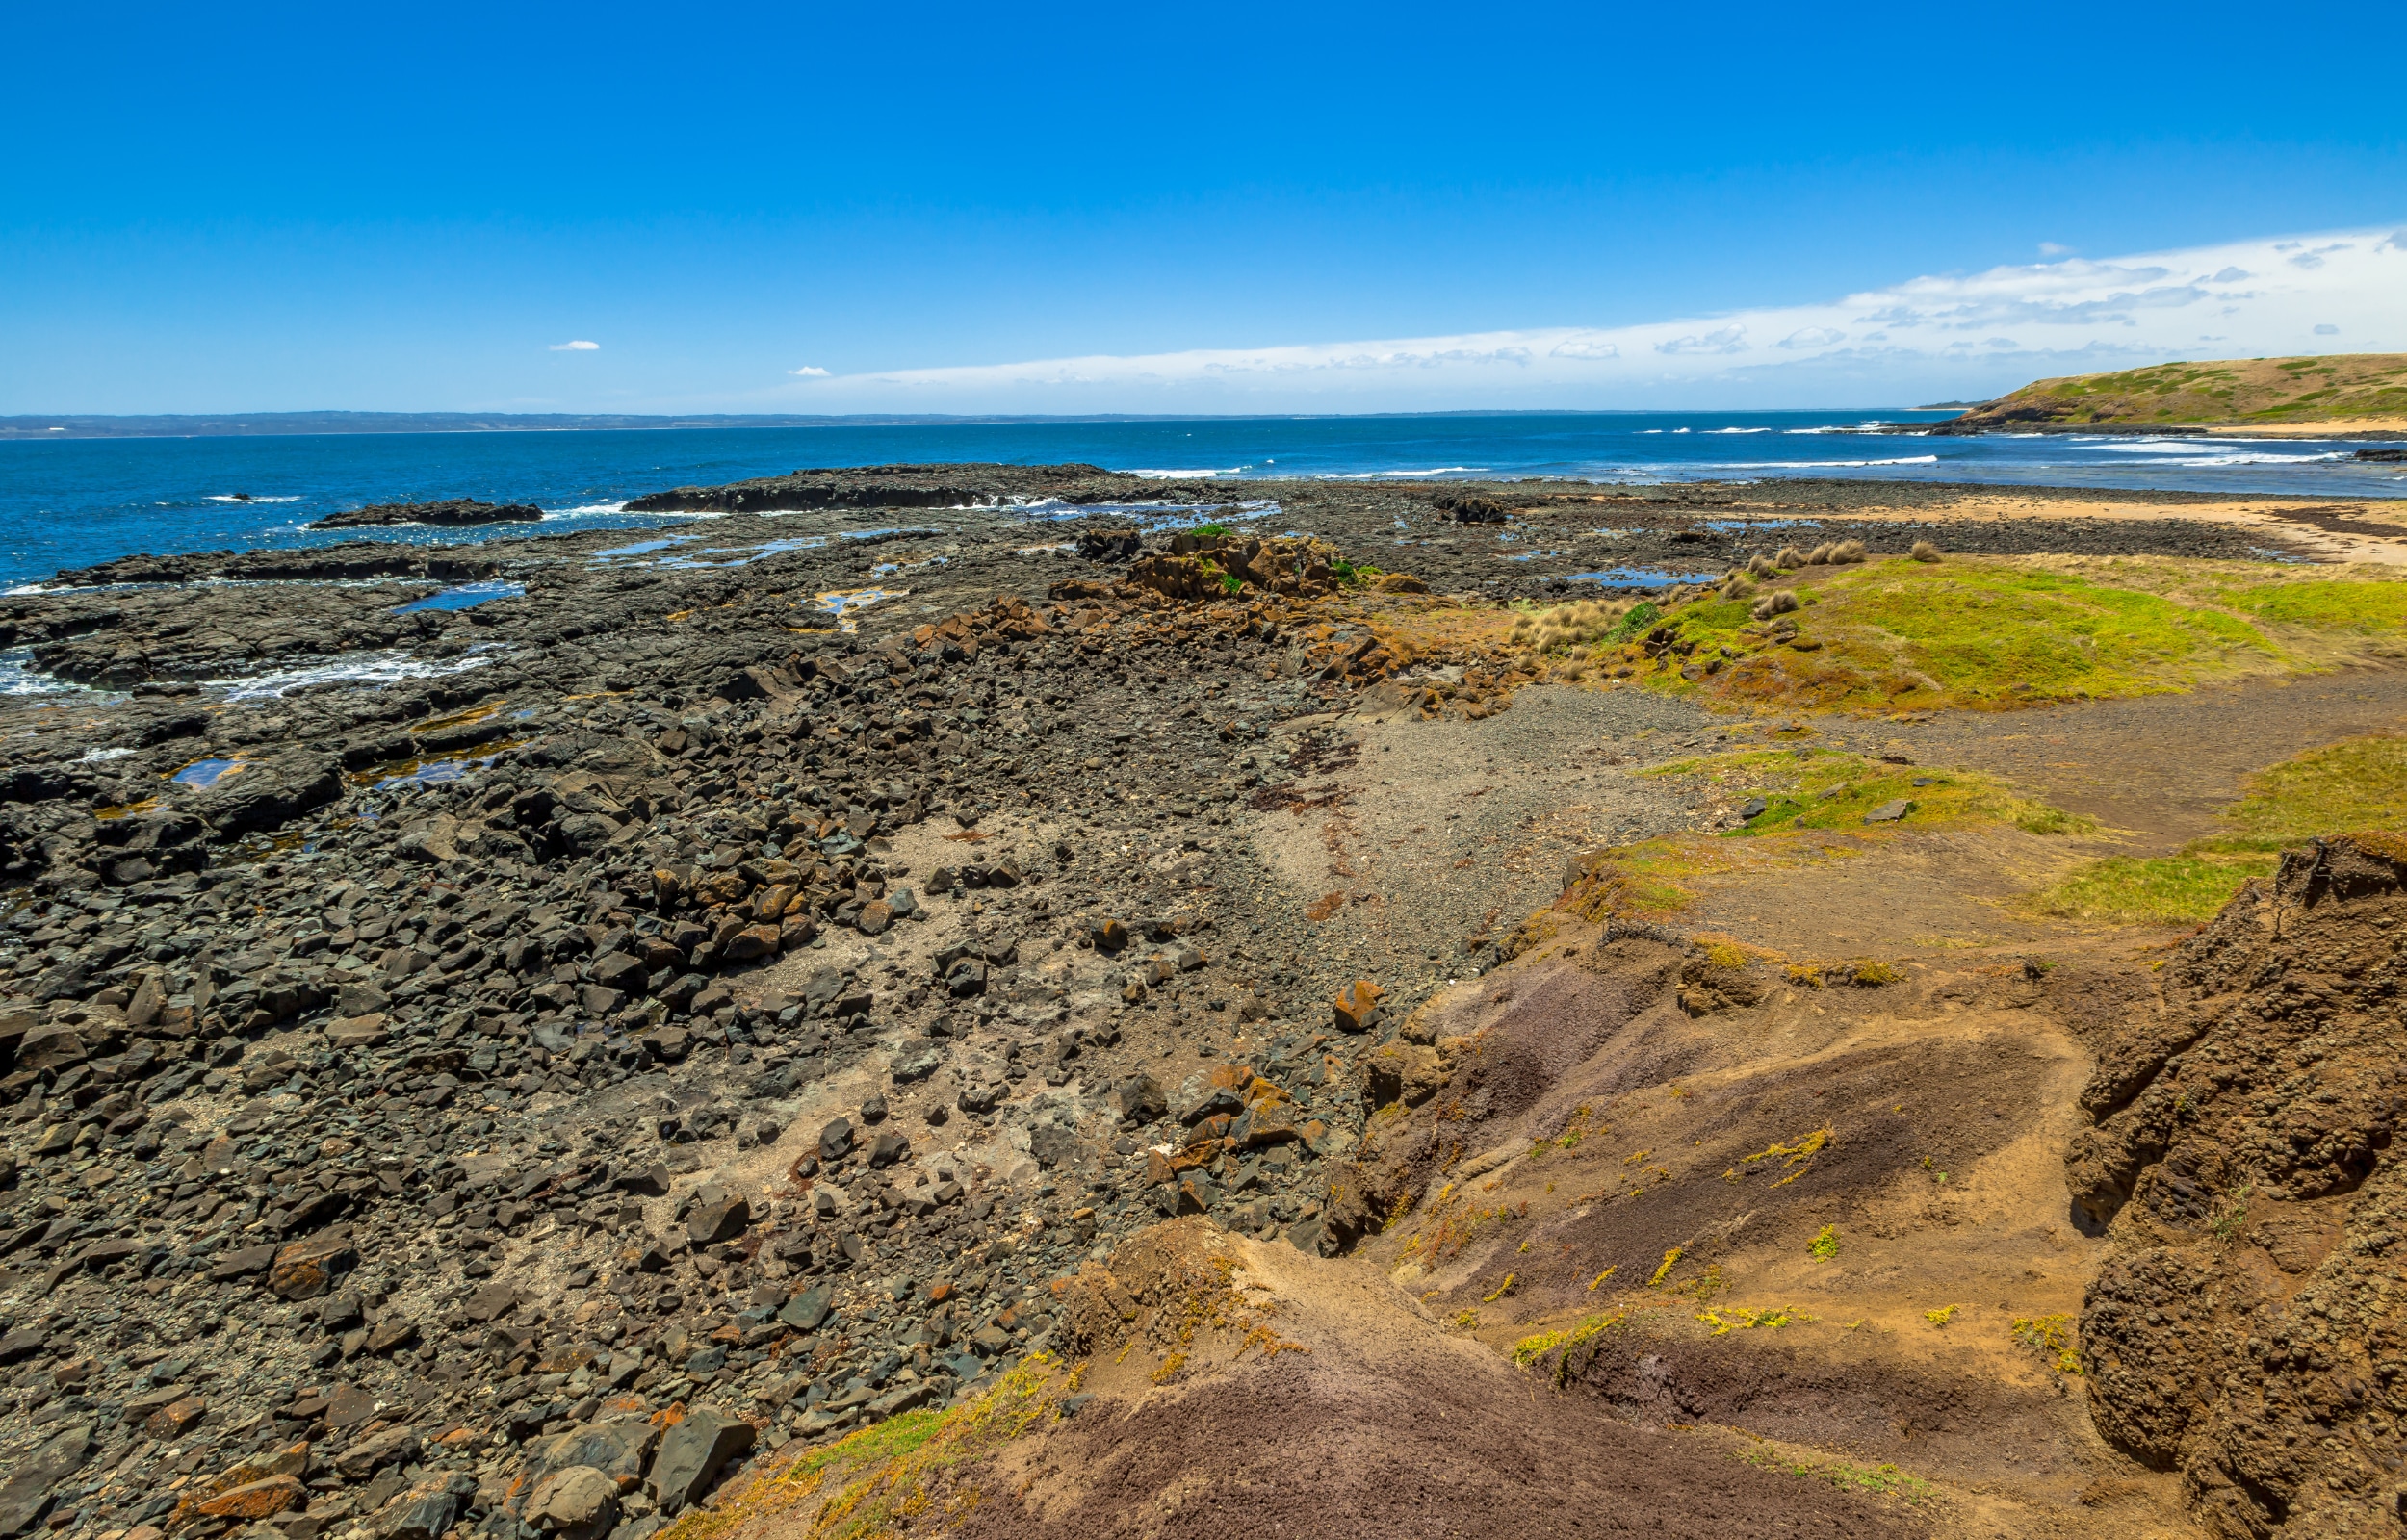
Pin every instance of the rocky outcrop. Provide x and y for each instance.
(903, 486)
(451, 513)
(345, 563)
(2246, 1329)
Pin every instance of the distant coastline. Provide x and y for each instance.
(35, 428)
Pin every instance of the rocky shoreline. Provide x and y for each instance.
(451, 513)
(502, 1066)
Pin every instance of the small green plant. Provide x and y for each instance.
(1824, 1246)
(1942, 1316)
(2234, 1210)
(1671, 1260)
(1231, 583)
(2051, 1336)
(1885, 1481)
(1726, 1321)
(1637, 623)
(1529, 1350)
(1502, 1289)
(1209, 531)
(1468, 1320)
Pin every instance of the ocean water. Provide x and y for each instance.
(73, 501)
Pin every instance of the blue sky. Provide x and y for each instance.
(257, 207)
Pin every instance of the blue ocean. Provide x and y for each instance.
(69, 502)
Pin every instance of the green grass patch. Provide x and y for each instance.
(1825, 789)
(1884, 1480)
(1809, 795)
(2157, 890)
(2354, 784)
(878, 1480)
(1912, 636)
(2354, 607)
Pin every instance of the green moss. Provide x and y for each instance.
(1885, 1481)
(2159, 891)
(2354, 783)
(1637, 623)
(1827, 789)
(1905, 635)
(2353, 606)
(2358, 784)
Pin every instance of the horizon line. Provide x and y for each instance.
(51, 427)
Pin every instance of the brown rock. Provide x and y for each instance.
(1357, 1006)
(175, 1419)
(358, 1032)
(392, 1331)
(719, 1214)
(257, 1500)
(751, 942)
(303, 1269)
(349, 1406)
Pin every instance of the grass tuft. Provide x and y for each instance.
(874, 1480)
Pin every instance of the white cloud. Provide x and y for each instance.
(2050, 248)
(1943, 337)
(1725, 340)
(1584, 347)
(2327, 329)
(808, 372)
(578, 347)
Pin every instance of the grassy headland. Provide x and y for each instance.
(2239, 393)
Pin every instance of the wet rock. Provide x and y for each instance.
(451, 512)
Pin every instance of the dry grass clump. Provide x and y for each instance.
(1790, 557)
(1763, 567)
(1925, 550)
(1736, 586)
(1775, 604)
(1590, 620)
(1843, 553)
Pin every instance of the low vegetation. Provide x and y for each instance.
(1931, 631)
(885, 1476)
(2238, 391)
(1815, 805)
(2356, 783)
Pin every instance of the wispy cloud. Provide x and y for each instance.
(1954, 333)
(808, 372)
(578, 347)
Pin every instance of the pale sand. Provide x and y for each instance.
(2383, 542)
(2312, 430)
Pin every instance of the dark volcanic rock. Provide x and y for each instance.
(898, 486)
(455, 511)
(2256, 1120)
